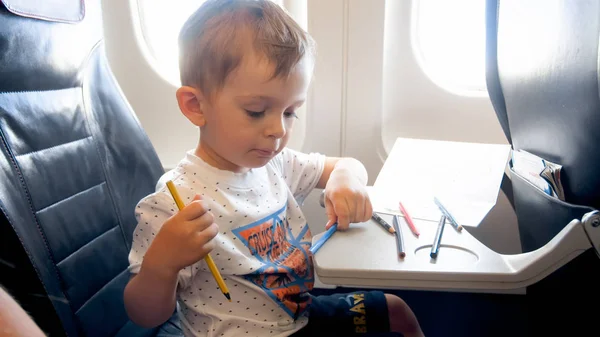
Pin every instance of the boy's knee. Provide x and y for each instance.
(402, 318)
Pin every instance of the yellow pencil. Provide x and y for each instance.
(209, 261)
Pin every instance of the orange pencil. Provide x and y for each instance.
(409, 220)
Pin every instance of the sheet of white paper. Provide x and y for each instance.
(466, 177)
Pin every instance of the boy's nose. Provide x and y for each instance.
(276, 128)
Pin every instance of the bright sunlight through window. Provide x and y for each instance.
(160, 25)
(449, 39)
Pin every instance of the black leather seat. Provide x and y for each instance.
(543, 80)
(74, 162)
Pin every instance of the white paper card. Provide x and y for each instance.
(466, 178)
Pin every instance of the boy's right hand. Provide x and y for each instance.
(185, 238)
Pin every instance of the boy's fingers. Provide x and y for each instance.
(355, 210)
(359, 210)
(194, 210)
(207, 234)
(341, 211)
(204, 221)
(330, 223)
(331, 218)
(208, 246)
(365, 209)
(368, 209)
(211, 231)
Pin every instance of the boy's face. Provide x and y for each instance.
(250, 119)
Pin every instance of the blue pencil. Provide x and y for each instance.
(447, 214)
(323, 239)
(435, 248)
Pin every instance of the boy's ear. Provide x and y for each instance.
(191, 103)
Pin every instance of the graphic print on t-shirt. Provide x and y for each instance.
(287, 274)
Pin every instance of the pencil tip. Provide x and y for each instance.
(391, 230)
(228, 296)
(402, 255)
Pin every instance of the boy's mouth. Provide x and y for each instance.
(264, 152)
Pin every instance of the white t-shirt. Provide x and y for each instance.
(262, 245)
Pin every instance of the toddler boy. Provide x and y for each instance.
(245, 69)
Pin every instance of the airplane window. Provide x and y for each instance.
(160, 25)
(449, 42)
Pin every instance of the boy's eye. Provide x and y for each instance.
(255, 114)
(290, 114)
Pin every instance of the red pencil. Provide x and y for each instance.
(410, 222)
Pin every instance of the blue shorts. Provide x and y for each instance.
(361, 313)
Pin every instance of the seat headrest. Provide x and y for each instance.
(67, 11)
(43, 44)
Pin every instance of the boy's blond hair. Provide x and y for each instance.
(215, 38)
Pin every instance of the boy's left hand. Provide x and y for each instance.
(346, 200)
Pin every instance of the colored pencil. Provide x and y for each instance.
(449, 216)
(399, 241)
(435, 248)
(383, 223)
(409, 220)
(323, 239)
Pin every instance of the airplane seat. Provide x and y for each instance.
(543, 80)
(75, 161)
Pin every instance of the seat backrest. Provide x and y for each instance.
(74, 161)
(542, 78)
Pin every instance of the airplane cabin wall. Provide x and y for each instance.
(368, 89)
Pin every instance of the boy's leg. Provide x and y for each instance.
(402, 319)
(367, 313)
